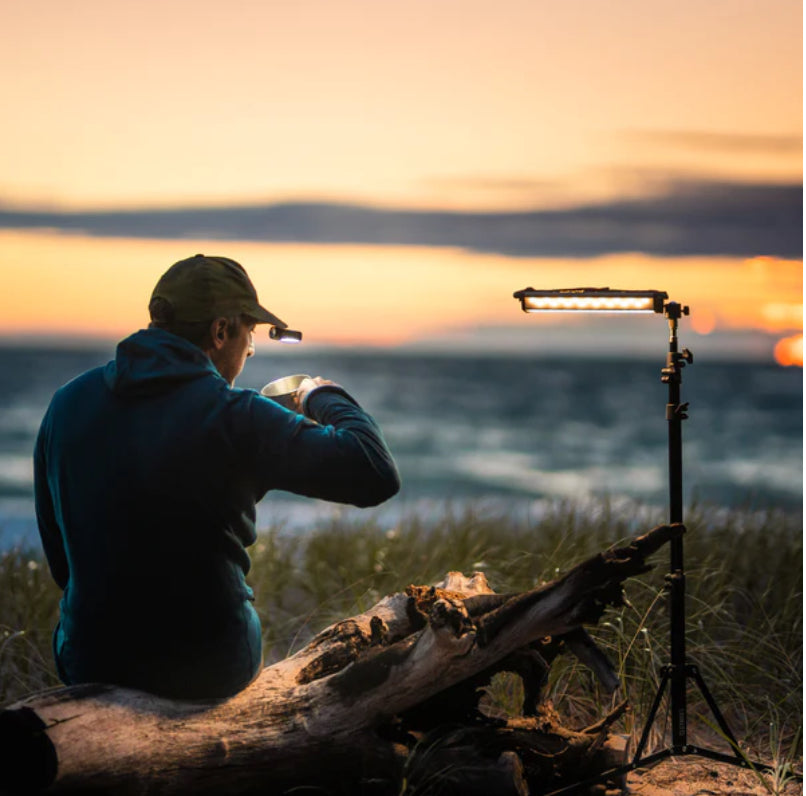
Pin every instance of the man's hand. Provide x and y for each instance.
(306, 385)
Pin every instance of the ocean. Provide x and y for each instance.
(513, 433)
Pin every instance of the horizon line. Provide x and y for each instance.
(726, 345)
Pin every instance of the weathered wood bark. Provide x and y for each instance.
(363, 705)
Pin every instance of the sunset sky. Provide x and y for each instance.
(390, 172)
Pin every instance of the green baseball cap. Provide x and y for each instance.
(201, 288)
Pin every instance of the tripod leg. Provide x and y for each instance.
(694, 673)
(650, 719)
(736, 759)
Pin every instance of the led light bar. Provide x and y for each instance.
(285, 335)
(591, 299)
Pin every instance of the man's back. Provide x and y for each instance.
(147, 474)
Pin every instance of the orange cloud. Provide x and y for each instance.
(369, 295)
(782, 315)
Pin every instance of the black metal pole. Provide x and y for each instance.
(675, 414)
(678, 672)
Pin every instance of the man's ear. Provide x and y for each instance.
(219, 332)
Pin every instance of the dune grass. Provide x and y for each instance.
(744, 607)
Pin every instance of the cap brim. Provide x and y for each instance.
(262, 315)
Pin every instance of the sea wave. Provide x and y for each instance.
(513, 432)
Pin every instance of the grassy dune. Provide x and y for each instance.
(744, 584)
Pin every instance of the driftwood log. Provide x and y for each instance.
(380, 703)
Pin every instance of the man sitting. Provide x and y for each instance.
(147, 472)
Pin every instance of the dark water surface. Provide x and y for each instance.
(514, 431)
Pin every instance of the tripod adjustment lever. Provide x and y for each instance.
(677, 411)
(687, 355)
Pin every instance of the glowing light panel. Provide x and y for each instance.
(591, 300)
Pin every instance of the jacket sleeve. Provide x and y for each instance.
(45, 516)
(341, 457)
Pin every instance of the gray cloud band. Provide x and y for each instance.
(691, 218)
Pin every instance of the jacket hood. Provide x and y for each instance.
(152, 361)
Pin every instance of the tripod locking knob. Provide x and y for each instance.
(677, 411)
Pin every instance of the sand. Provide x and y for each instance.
(696, 776)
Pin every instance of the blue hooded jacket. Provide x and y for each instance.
(146, 475)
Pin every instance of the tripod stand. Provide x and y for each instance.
(679, 672)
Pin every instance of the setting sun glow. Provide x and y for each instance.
(789, 351)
